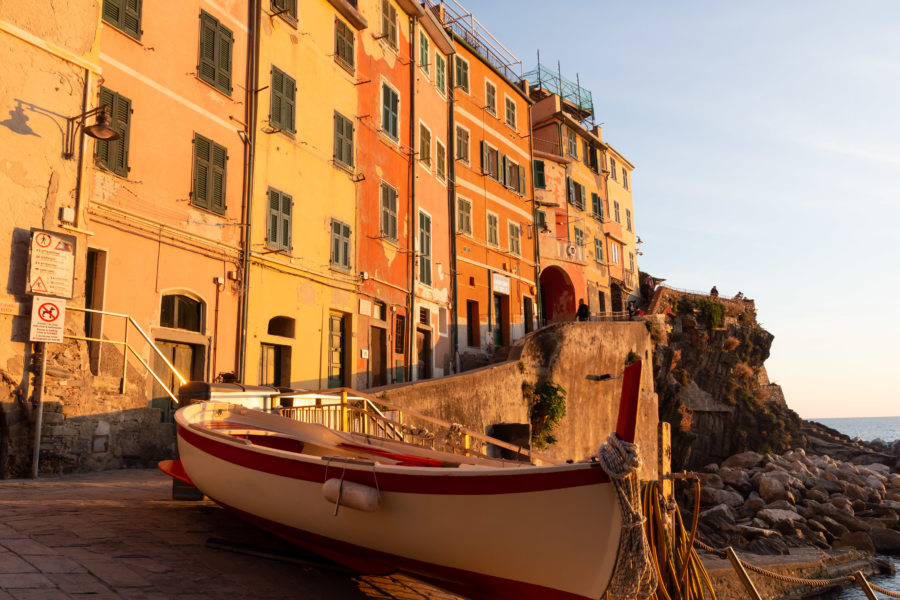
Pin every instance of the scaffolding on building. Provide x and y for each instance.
(546, 81)
(462, 23)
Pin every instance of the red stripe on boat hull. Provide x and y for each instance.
(430, 481)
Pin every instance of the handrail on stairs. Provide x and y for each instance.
(129, 320)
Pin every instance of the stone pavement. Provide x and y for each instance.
(119, 535)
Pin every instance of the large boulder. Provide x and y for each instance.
(773, 516)
(774, 488)
(855, 539)
(744, 460)
(886, 540)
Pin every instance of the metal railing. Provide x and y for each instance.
(561, 86)
(127, 346)
(353, 412)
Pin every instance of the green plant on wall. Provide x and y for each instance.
(713, 311)
(547, 406)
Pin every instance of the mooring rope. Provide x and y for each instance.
(634, 575)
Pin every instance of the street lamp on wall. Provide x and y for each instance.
(100, 130)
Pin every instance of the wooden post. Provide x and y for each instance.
(742, 574)
(864, 584)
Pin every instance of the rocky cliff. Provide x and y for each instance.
(711, 380)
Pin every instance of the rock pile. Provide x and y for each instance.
(766, 504)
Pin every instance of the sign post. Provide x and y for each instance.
(51, 279)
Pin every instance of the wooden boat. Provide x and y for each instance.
(481, 527)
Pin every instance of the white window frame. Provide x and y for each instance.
(426, 65)
(508, 102)
(572, 143)
(490, 107)
(456, 84)
(515, 227)
(487, 231)
(456, 146)
(614, 250)
(460, 228)
(385, 83)
(425, 159)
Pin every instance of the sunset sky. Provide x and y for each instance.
(767, 147)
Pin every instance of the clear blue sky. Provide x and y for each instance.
(767, 144)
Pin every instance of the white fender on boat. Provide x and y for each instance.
(351, 494)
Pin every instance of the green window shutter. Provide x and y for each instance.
(219, 159)
(225, 42)
(286, 205)
(570, 190)
(539, 181)
(274, 218)
(131, 18)
(102, 147)
(112, 11)
(521, 189)
(202, 150)
(206, 67)
(275, 115)
(290, 100)
(121, 119)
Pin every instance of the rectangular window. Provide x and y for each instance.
(579, 237)
(612, 168)
(575, 193)
(424, 248)
(515, 239)
(624, 178)
(286, 9)
(616, 212)
(490, 161)
(124, 15)
(400, 334)
(542, 221)
(279, 230)
(113, 154)
(585, 153)
(614, 250)
(209, 175)
(284, 94)
(573, 143)
(424, 145)
(424, 53)
(493, 230)
(440, 157)
(440, 73)
(631, 261)
(594, 166)
(473, 329)
(540, 181)
(596, 206)
(340, 244)
(598, 250)
(463, 216)
(343, 45)
(343, 140)
(462, 144)
(511, 112)
(388, 212)
(389, 23)
(490, 97)
(390, 111)
(628, 219)
(214, 61)
(461, 80)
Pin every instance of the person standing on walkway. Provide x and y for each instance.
(583, 313)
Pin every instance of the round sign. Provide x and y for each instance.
(43, 240)
(48, 312)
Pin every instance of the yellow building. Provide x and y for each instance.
(302, 283)
(619, 230)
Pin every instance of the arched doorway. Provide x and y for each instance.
(557, 295)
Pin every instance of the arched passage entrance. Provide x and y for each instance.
(557, 295)
(615, 292)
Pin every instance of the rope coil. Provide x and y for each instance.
(633, 576)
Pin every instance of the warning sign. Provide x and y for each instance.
(48, 317)
(51, 270)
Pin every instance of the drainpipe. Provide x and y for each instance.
(414, 225)
(451, 203)
(249, 129)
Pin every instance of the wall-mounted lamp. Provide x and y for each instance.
(101, 130)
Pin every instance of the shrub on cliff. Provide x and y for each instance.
(713, 311)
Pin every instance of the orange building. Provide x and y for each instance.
(494, 218)
(166, 207)
(620, 231)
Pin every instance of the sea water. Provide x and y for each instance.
(869, 428)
